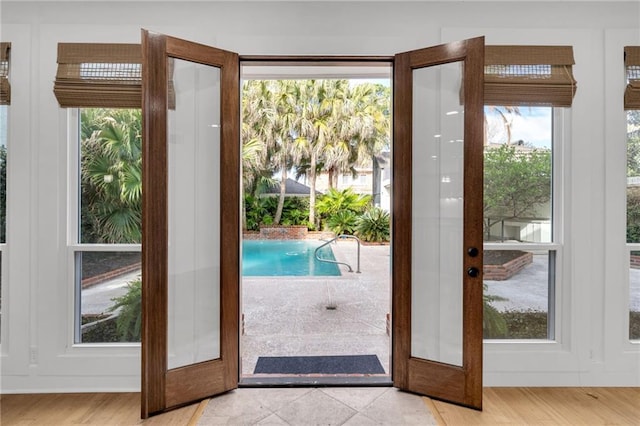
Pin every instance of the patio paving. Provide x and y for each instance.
(342, 315)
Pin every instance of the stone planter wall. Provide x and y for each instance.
(286, 233)
(283, 232)
(507, 270)
(88, 282)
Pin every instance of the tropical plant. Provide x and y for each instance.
(633, 214)
(111, 175)
(256, 210)
(374, 225)
(506, 115)
(494, 324)
(336, 200)
(335, 206)
(295, 211)
(312, 125)
(342, 222)
(129, 308)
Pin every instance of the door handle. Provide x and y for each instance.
(473, 251)
(473, 272)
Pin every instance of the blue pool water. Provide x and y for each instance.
(286, 258)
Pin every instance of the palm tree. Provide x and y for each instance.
(284, 131)
(111, 175)
(313, 131)
(504, 112)
(316, 125)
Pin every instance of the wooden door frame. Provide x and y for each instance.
(427, 377)
(164, 388)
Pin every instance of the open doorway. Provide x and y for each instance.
(316, 180)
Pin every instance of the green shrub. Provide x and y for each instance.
(633, 214)
(493, 323)
(342, 222)
(261, 211)
(129, 322)
(374, 225)
(335, 201)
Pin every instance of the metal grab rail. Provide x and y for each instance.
(343, 236)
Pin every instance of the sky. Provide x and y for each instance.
(533, 125)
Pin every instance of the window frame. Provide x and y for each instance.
(559, 120)
(629, 247)
(74, 246)
(3, 244)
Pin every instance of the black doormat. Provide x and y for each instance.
(339, 364)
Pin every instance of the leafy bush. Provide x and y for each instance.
(129, 322)
(111, 175)
(343, 222)
(261, 211)
(633, 214)
(335, 201)
(374, 225)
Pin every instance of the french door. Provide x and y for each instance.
(191, 222)
(437, 221)
(190, 248)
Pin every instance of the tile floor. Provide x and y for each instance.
(289, 316)
(317, 406)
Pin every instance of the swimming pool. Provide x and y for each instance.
(286, 258)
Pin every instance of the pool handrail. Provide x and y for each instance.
(342, 236)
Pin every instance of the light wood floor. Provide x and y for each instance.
(502, 406)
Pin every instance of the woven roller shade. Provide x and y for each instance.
(94, 75)
(529, 75)
(632, 68)
(5, 87)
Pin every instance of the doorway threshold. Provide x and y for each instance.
(315, 381)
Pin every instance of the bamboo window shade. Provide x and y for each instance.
(632, 68)
(5, 87)
(95, 75)
(529, 75)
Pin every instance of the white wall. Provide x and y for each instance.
(37, 354)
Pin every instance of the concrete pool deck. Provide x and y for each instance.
(344, 315)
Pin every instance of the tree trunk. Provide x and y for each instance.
(312, 190)
(283, 190)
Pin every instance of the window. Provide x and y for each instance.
(5, 100)
(521, 232)
(3, 190)
(98, 82)
(633, 220)
(632, 105)
(526, 91)
(106, 224)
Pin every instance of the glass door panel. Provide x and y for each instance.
(194, 215)
(437, 211)
(437, 225)
(191, 220)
